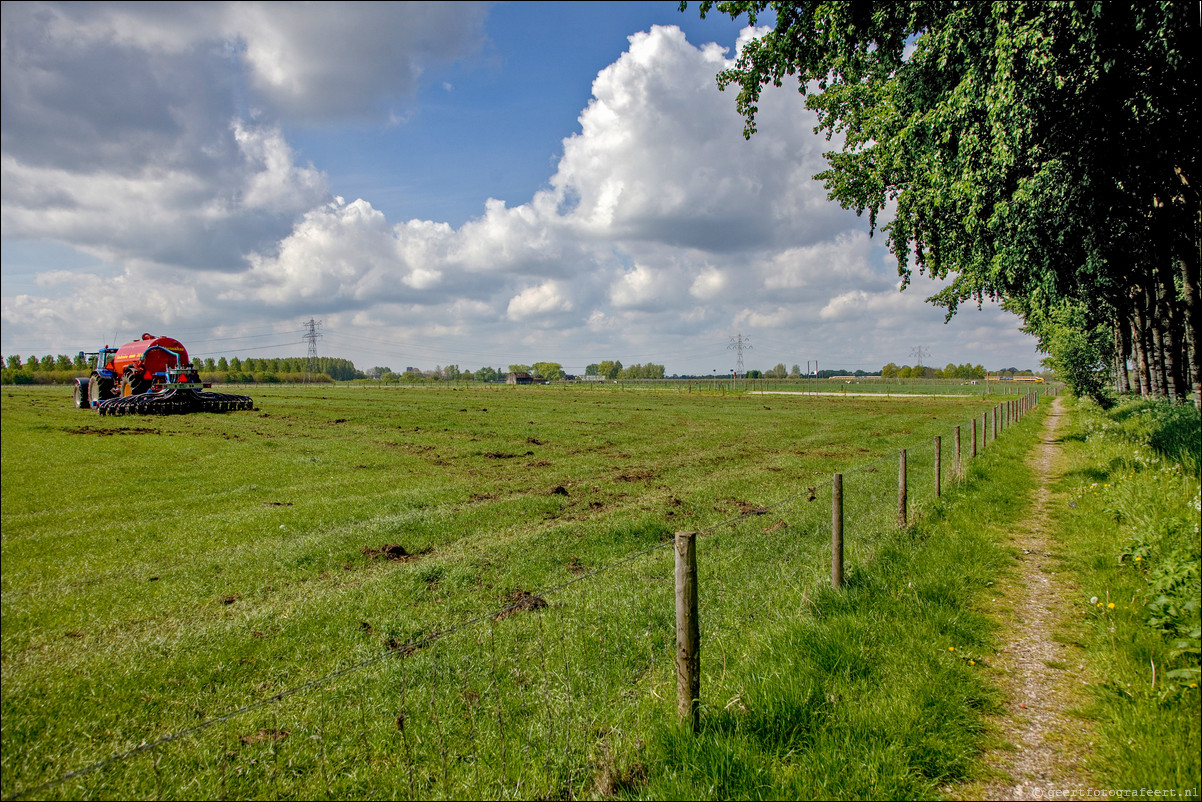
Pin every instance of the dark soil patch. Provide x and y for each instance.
(521, 600)
(575, 567)
(406, 649)
(635, 476)
(746, 507)
(275, 736)
(482, 497)
(504, 455)
(559, 490)
(277, 503)
(119, 430)
(392, 551)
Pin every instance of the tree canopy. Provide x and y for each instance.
(1039, 154)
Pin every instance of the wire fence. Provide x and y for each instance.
(536, 698)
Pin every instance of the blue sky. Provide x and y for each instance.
(470, 184)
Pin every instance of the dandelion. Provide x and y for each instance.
(1138, 558)
(1093, 599)
(972, 662)
(951, 648)
(1110, 606)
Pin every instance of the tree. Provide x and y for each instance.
(609, 369)
(591, 370)
(1078, 352)
(551, 371)
(991, 132)
(486, 374)
(795, 371)
(520, 368)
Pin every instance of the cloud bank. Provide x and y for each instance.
(152, 137)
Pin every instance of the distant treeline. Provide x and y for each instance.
(966, 371)
(62, 369)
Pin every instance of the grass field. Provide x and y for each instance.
(229, 573)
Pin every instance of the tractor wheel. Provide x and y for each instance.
(81, 394)
(99, 389)
(133, 384)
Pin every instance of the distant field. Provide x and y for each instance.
(159, 573)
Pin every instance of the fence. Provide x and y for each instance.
(541, 696)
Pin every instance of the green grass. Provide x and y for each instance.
(875, 692)
(1128, 520)
(164, 573)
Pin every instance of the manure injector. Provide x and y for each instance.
(150, 376)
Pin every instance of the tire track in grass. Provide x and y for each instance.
(1038, 672)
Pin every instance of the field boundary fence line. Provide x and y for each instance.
(1004, 415)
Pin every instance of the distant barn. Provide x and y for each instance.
(519, 378)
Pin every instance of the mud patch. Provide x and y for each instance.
(394, 552)
(275, 736)
(118, 430)
(559, 490)
(746, 507)
(518, 601)
(575, 567)
(405, 648)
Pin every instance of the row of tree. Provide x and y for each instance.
(63, 368)
(1041, 154)
(613, 370)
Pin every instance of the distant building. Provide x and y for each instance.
(519, 378)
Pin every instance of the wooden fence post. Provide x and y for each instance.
(938, 467)
(837, 531)
(995, 411)
(688, 631)
(972, 450)
(901, 489)
(956, 456)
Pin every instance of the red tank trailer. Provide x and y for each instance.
(150, 376)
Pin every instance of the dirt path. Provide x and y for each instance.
(1038, 673)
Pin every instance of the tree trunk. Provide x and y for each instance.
(1192, 319)
(1122, 382)
(1167, 320)
(1139, 334)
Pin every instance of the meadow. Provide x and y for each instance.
(418, 591)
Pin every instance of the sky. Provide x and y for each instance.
(468, 184)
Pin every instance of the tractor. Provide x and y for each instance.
(150, 376)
